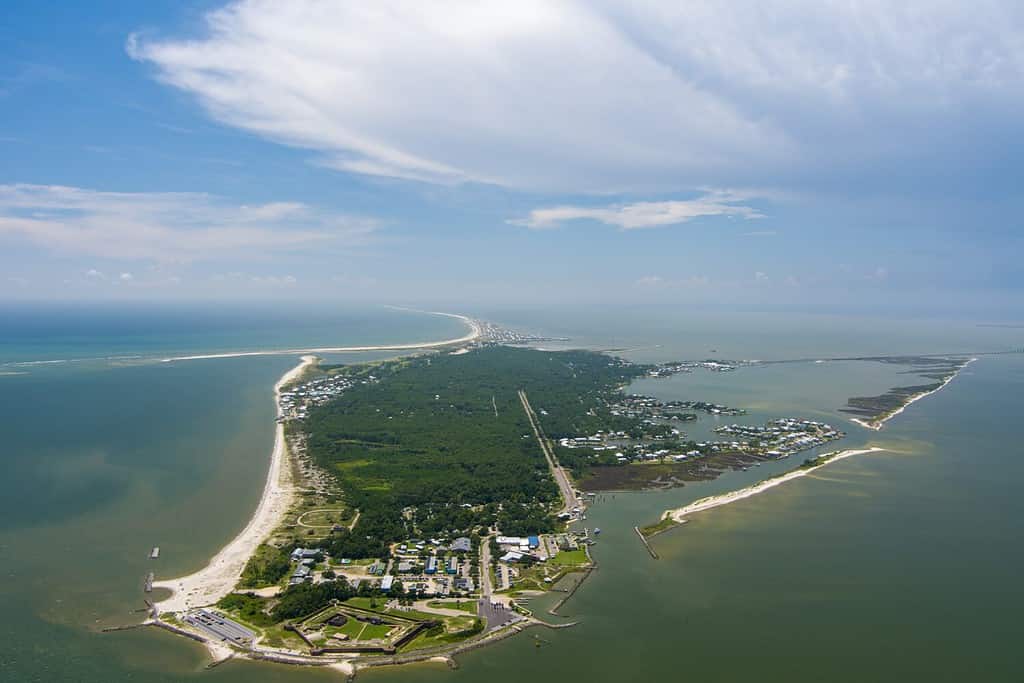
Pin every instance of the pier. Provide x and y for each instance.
(646, 544)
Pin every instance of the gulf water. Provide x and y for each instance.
(899, 565)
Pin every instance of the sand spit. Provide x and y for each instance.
(679, 514)
(877, 424)
(219, 577)
(473, 335)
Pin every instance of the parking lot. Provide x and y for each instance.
(220, 627)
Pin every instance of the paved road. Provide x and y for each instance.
(558, 472)
(485, 568)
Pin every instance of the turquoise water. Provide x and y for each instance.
(893, 566)
(59, 333)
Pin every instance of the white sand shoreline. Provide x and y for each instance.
(679, 514)
(221, 575)
(877, 425)
(472, 335)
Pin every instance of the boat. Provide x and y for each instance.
(597, 530)
(154, 553)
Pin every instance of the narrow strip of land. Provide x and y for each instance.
(877, 423)
(472, 335)
(561, 476)
(680, 514)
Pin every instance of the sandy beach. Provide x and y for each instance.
(472, 335)
(877, 425)
(680, 514)
(219, 577)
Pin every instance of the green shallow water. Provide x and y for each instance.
(893, 566)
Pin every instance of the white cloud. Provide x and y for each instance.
(126, 277)
(643, 214)
(647, 95)
(760, 276)
(164, 226)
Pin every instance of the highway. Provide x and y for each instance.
(557, 471)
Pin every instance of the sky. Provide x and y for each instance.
(800, 155)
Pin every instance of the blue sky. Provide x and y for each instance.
(798, 154)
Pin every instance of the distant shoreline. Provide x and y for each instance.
(877, 423)
(473, 335)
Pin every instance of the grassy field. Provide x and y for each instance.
(454, 630)
(570, 558)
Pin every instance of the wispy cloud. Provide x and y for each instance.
(649, 95)
(165, 226)
(644, 214)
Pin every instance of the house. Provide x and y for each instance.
(452, 566)
(461, 545)
(301, 574)
(511, 556)
(387, 582)
(405, 567)
(532, 542)
(432, 565)
(305, 554)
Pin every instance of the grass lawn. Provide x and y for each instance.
(374, 631)
(570, 558)
(464, 605)
(454, 631)
(364, 603)
(275, 636)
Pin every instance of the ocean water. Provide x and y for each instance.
(899, 565)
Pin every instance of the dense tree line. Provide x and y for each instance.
(306, 598)
(442, 432)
